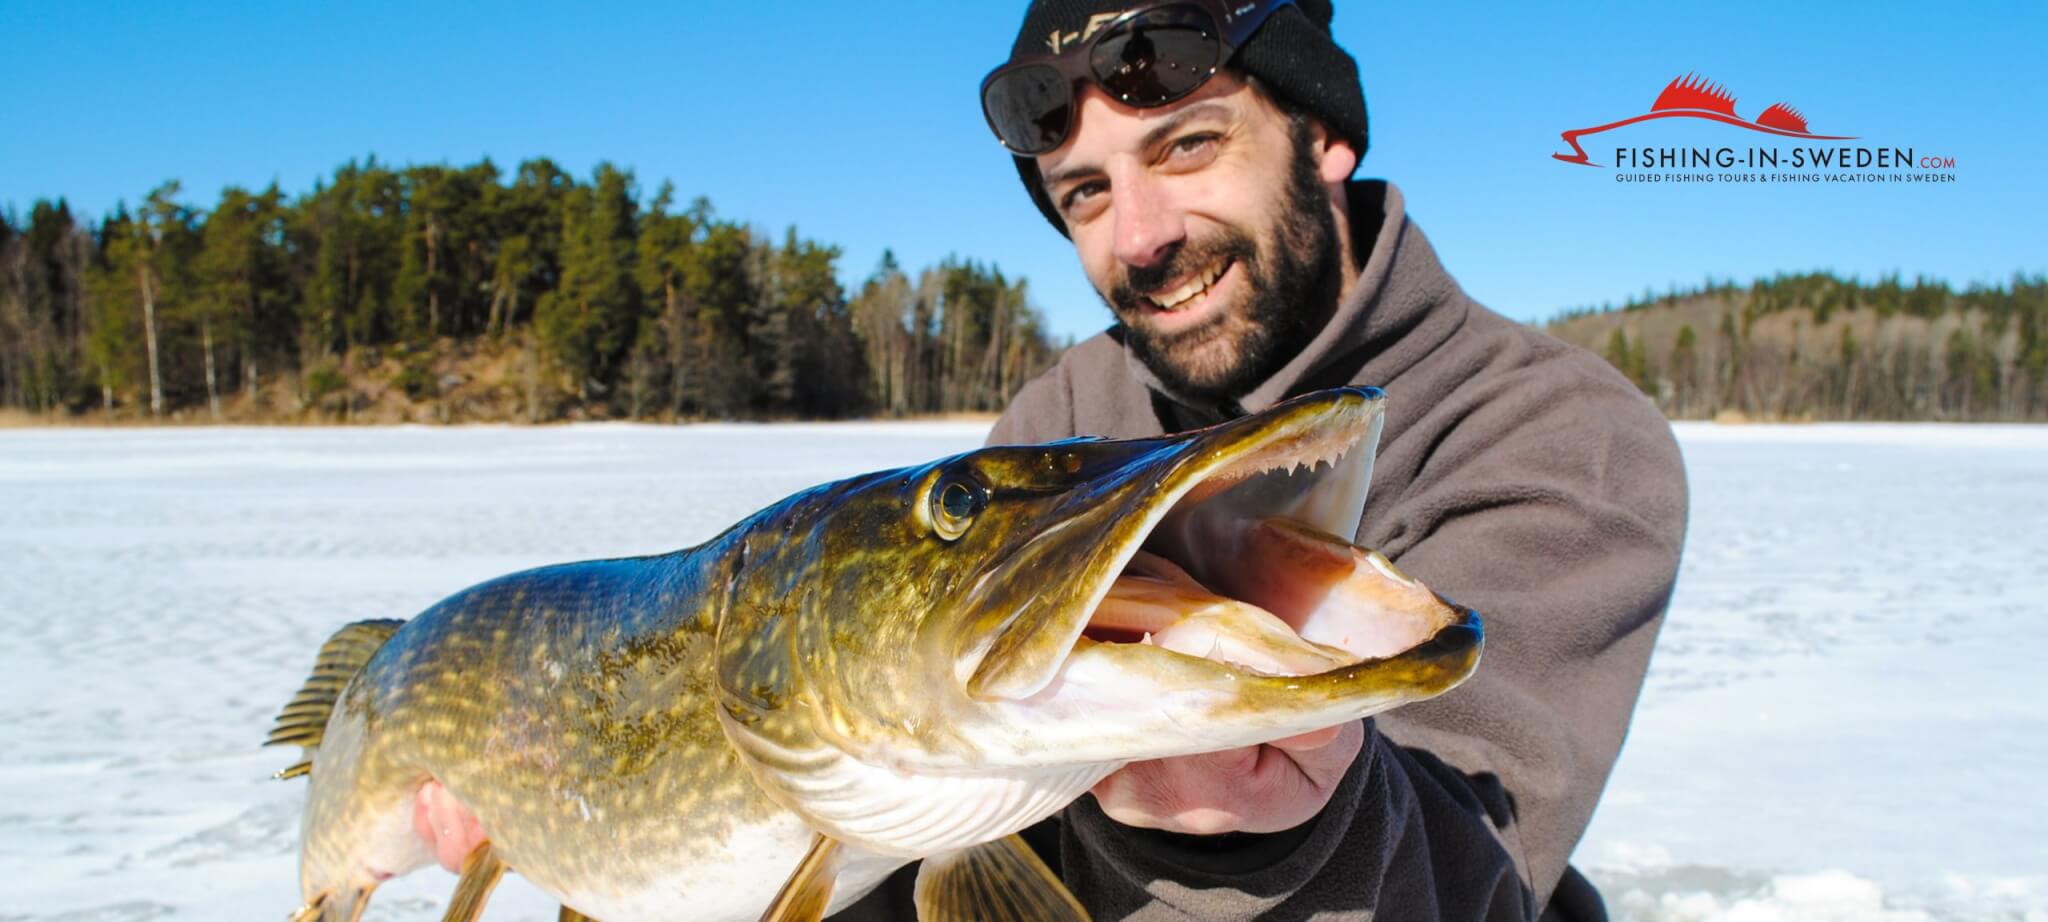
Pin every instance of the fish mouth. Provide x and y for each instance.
(1217, 588)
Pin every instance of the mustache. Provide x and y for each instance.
(1129, 292)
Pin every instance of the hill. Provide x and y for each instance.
(458, 293)
(1814, 346)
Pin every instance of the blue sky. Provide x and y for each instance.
(858, 123)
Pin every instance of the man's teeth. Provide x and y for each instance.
(1174, 299)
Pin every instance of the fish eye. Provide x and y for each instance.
(954, 505)
(957, 500)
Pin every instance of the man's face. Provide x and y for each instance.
(1207, 226)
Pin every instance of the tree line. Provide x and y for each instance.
(537, 296)
(1817, 346)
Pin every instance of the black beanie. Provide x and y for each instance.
(1291, 54)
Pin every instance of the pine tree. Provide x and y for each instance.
(588, 322)
(669, 331)
(152, 258)
(1684, 368)
(241, 291)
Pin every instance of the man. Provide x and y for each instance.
(1522, 477)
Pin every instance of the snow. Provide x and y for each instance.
(1844, 719)
(1847, 704)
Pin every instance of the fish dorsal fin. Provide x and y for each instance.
(808, 892)
(999, 881)
(304, 719)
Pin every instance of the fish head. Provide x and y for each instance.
(974, 613)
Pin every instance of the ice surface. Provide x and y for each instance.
(1844, 720)
(1847, 712)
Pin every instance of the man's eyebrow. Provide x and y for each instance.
(1053, 179)
(1159, 133)
(1175, 121)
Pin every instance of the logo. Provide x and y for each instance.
(1058, 40)
(1695, 97)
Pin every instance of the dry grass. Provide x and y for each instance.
(474, 381)
(16, 419)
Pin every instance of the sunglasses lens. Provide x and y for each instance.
(1158, 56)
(1029, 107)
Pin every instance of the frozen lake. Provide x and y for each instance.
(1847, 717)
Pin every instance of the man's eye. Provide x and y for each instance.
(1194, 147)
(1080, 194)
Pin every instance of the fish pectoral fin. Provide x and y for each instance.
(999, 881)
(808, 892)
(481, 871)
(571, 915)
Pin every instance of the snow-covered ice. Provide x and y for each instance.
(1847, 717)
(1847, 713)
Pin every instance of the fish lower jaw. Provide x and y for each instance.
(1123, 703)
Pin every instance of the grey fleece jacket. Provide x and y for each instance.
(1516, 474)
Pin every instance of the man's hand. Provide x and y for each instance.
(1267, 788)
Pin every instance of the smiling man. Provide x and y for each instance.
(1200, 155)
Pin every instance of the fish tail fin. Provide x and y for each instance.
(304, 719)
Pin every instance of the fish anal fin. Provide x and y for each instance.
(999, 881)
(304, 719)
(481, 871)
(808, 892)
(571, 915)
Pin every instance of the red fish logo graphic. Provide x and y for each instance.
(1694, 97)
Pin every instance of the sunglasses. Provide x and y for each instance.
(1144, 58)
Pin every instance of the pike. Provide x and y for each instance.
(911, 664)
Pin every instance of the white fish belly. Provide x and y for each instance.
(751, 868)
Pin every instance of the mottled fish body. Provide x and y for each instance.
(911, 664)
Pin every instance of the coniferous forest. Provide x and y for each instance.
(1817, 347)
(436, 293)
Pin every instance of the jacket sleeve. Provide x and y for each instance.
(1557, 511)
(1555, 506)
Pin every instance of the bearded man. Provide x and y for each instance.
(1199, 154)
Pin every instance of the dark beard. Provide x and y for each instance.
(1293, 291)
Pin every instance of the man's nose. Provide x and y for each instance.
(1147, 222)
